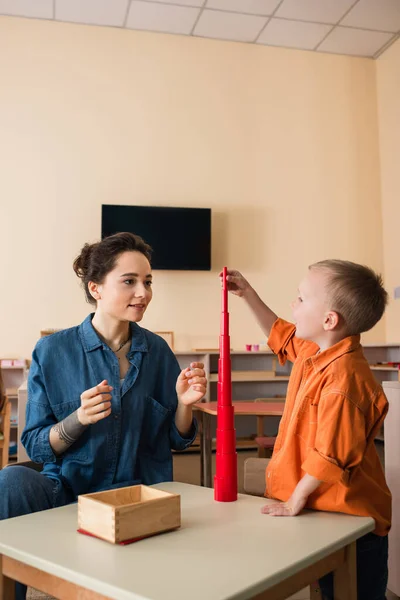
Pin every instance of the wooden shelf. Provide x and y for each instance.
(252, 376)
(383, 368)
(263, 399)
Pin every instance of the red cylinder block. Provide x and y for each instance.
(227, 397)
(224, 373)
(225, 418)
(225, 480)
(225, 491)
(227, 441)
(226, 469)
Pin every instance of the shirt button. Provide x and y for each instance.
(116, 417)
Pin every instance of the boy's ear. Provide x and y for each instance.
(331, 321)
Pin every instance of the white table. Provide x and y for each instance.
(223, 550)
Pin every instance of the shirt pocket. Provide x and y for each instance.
(156, 424)
(79, 450)
(306, 419)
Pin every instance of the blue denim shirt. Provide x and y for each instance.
(133, 444)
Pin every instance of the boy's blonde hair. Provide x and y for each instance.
(356, 294)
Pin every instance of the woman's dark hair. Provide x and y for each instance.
(96, 260)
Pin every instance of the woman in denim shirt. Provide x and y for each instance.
(106, 399)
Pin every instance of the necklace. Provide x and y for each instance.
(122, 345)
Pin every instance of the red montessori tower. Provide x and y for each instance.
(225, 480)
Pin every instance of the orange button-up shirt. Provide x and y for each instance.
(333, 411)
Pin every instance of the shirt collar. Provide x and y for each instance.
(326, 357)
(91, 340)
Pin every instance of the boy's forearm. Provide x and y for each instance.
(306, 486)
(264, 315)
(297, 501)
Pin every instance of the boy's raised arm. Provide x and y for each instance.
(239, 286)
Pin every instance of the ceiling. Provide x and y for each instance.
(356, 28)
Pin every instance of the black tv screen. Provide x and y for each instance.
(180, 237)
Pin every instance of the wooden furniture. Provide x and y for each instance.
(255, 375)
(126, 513)
(14, 372)
(392, 471)
(384, 360)
(265, 444)
(29, 464)
(222, 551)
(254, 476)
(259, 374)
(168, 336)
(22, 400)
(254, 483)
(46, 332)
(204, 411)
(5, 415)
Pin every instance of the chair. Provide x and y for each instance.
(254, 484)
(28, 463)
(265, 444)
(5, 415)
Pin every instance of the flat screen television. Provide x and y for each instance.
(180, 237)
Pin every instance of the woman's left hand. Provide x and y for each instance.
(191, 384)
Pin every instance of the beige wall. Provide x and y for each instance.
(388, 84)
(281, 144)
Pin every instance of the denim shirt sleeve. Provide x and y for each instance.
(169, 374)
(181, 443)
(39, 417)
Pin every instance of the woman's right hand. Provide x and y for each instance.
(95, 404)
(236, 283)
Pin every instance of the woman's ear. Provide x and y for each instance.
(94, 290)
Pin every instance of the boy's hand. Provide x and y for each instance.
(191, 384)
(236, 283)
(297, 501)
(291, 508)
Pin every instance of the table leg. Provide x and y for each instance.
(208, 451)
(205, 450)
(345, 576)
(7, 585)
(200, 420)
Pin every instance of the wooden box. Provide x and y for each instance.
(128, 513)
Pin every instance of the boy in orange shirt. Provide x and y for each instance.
(324, 456)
